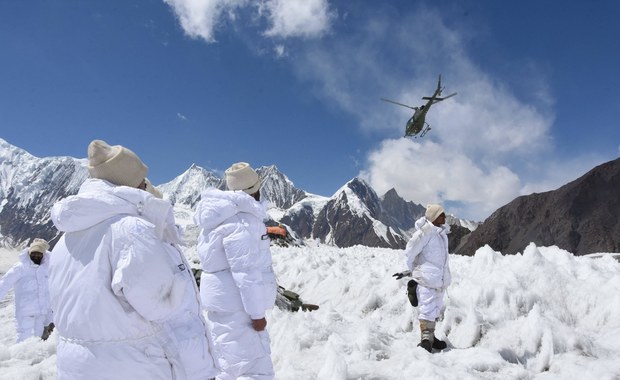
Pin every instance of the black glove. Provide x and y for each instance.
(47, 331)
(400, 275)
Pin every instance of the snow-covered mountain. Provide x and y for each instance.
(186, 188)
(278, 189)
(303, 215)
(404, 214)
(354, 215)
(28, 187)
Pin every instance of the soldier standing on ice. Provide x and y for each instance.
(237, 284)
(33, 314)
(125, 305)
(428, 261)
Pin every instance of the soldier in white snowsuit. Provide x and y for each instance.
(428, 261)
(28, 277)
(124, 301)
(237, 285)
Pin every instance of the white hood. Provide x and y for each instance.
(422, 222)
(24, 257)
(99, 200)
(222, 205)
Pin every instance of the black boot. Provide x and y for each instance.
(439, 344)
(411, 294)
(426, 344)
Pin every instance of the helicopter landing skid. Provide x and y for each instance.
(425, 131)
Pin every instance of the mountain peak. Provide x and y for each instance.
(392, 193)
(187, 187)
(277, 188)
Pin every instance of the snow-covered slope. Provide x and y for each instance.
(186, 188)
(28, 187)
(544, 314)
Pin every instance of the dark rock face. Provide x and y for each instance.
(301, 222)
(403, 214)
(341, 223)
(277, 188)
(581, 217)
(457, 235)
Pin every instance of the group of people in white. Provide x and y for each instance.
(123, 299)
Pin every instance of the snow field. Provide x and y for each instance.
(543, 314)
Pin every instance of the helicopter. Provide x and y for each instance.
(417, 124)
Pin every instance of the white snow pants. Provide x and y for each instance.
(430, 303)
(241, 351)
(31, 325)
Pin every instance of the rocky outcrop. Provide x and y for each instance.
(403, 214)
(581, 217)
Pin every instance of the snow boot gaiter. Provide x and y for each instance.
(427, 335)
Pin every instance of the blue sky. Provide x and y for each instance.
(297, 84)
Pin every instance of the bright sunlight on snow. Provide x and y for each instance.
(543, 314)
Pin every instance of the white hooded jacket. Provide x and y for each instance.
(427, 255)
(115, 278)
(234, 251)
(31, 289)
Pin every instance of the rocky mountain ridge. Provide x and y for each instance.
(581, 217)
(355, 214)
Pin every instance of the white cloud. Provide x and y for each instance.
(199, 18)
(181, 116)
(287, 18)
(483, 141)
(427, 173)
(554, 173)
(298, 18)
(486, 145)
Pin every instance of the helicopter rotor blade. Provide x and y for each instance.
(449, 96)
(400, 104)
(437, 100)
